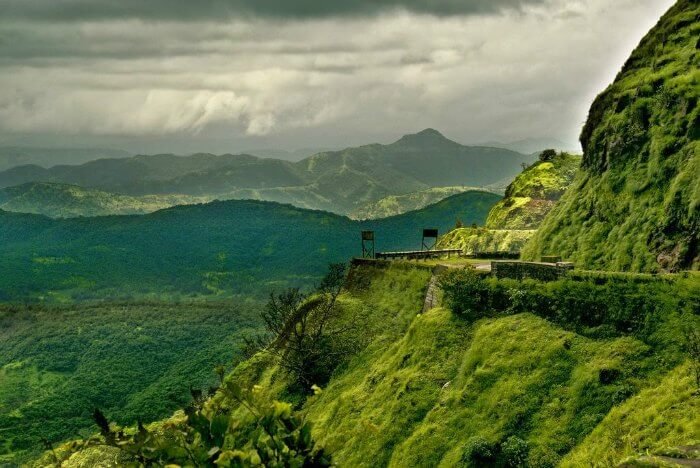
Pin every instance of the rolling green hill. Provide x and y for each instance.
(635, 204)
(397, 204)
(337, 181)
(68, 201)
(221, 248)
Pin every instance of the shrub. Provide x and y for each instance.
(479, 452)
(514, 452)
(266, 433)
(543, 457)
(466, 292)
(548, 155)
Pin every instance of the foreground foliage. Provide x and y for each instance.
(267, 434)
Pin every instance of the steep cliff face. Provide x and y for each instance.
(635, 204)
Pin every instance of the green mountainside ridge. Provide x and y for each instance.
(635, 204)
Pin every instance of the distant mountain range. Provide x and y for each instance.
(12, 156)
(338, 181)
(237, 246)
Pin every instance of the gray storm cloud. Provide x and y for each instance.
(98, 68)
(188, 10)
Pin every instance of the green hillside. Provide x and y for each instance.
(533, 193)
(397, 204)
(500, 382)
(512, 222)
(337, 181)
(68, 201)
(635, 205)
(216, 249)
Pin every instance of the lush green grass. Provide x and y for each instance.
(513, 220)
(533, 193)
(475, 240)
(132, 360)
(219, 249)
(635, 205)
(660, 417)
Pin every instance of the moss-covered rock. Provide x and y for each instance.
(635, 204)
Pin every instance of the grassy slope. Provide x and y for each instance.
(427, 384)
(513, 220)
(473, 240)
(132, 360)
(533, 193)
(635, 205)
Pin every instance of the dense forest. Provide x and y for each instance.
(217, 249)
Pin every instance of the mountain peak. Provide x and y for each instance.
(429, 135)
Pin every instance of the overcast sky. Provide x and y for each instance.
(227, 75)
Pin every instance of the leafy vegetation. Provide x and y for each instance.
(135, 361)
(513, 220)
(435, 389)
(308, 334)
(269, 434)
(635, 205)
(218, 249)
(528, 379)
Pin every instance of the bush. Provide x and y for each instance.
(466, 292)
(266, 433)
(479, 452)
(601, 309)
(514, 451)
(543, 457)
(548, 155)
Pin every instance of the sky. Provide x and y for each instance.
(227, 75)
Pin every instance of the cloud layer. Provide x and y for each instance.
(223, 10)
(116, 68)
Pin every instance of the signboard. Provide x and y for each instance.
(430, 233)
(367, 235)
